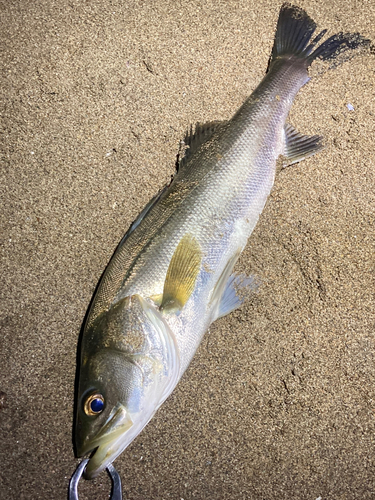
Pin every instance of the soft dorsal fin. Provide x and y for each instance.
(298, 147)
(193, 140)
(182, 274)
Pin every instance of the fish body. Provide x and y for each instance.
(216, 197)
(172, 274)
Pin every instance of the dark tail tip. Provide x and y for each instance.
(293, 37)
(336, 45)
(293, 33)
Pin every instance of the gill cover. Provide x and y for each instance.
(129, 366)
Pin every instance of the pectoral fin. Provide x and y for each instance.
(298, 147)
(182, 274)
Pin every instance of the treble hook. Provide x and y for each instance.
(116, 493)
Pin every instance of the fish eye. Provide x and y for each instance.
(94, 404)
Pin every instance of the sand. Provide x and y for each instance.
(279, 402)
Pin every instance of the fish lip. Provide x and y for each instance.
(101, 458)
(116, 425)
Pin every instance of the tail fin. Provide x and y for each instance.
(293, 37)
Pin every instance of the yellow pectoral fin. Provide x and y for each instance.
(182, 274)
(157, 299)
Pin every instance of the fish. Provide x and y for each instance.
(172, 275)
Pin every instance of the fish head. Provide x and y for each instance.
(129, 365)
(104, 414)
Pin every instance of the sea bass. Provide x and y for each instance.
(172, 274)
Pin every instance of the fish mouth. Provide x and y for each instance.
(106, 442)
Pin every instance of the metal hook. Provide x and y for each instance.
(116, 493)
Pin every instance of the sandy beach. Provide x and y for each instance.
(279, 401)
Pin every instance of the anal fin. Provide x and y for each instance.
(298, 147)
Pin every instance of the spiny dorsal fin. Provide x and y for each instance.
(298, 146)
(182, 274)
(193, 140)
(145, 211)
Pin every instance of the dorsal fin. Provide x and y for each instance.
(145, 211)
(193, 140)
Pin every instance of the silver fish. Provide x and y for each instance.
(172, 274)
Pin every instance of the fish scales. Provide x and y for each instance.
(237, 164)
(172, 274)
(241, 153)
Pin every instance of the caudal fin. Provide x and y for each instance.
(294, 37)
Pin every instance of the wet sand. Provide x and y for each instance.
(279, 402)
